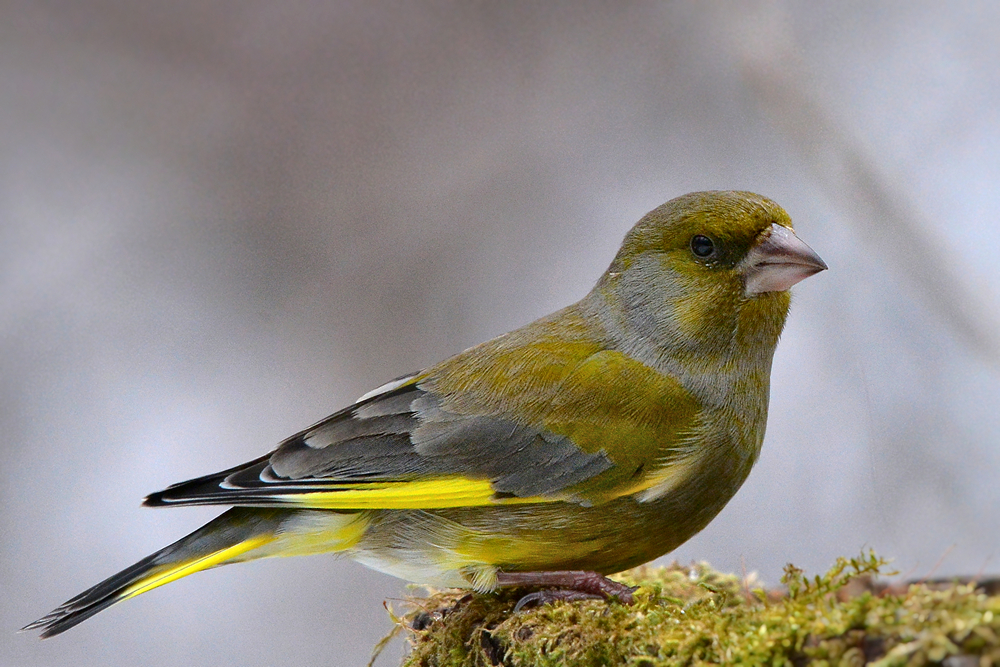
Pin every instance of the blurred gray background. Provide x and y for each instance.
(220, 222)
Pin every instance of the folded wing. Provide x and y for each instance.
(543, 414)
(400, 450)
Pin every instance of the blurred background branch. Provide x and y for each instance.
(874, 199)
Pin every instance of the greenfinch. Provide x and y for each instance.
(587, 442)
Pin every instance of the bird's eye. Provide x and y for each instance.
(702, 246)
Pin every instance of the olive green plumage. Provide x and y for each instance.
(596, 438)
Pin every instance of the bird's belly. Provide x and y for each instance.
(464, 547)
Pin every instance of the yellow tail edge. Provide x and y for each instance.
(183, 569)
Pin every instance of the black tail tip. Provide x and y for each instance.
(50, 626)
(72, 613)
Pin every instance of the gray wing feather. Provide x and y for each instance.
(400, 435)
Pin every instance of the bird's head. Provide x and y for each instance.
(709, 271)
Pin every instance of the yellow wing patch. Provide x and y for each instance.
(437, 493)
(662, 481)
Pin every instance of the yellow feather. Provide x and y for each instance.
(441, 492)
(173, 572)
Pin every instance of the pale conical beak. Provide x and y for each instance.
(778, 261)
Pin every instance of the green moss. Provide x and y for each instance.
(695, 615)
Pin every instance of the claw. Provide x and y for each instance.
(572, 585)
(541, 598)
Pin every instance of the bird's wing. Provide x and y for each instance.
(584, 425)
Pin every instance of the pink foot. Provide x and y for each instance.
(570, 585)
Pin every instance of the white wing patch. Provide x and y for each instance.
(387, 387)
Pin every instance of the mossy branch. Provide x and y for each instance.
(687, 615)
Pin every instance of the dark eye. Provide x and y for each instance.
(702, 246)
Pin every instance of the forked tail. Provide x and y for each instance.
(227, 539)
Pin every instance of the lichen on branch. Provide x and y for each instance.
(689, 615)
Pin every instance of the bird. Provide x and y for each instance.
(587, 442)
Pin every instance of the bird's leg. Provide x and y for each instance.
(570, 585)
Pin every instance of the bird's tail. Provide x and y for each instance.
(238, 534)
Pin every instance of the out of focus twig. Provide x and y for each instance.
(853, 178)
